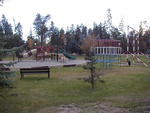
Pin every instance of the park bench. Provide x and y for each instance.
(39, 70)
(69, 65)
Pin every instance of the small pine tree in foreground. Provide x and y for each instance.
(94, 73)
(5, 74)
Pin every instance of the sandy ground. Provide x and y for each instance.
(34, 63)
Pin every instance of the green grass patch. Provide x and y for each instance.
(123, 87)
(144, 59)
(10, 58)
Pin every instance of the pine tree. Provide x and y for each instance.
(140, 30)
(41, 28)
(109, 25)
(5, 73)
(121, 26)
(95, 75)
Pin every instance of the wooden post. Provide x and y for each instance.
(22, 76)
(49, 71)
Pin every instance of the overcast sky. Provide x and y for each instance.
(67, 12)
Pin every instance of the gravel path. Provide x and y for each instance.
(34, 63)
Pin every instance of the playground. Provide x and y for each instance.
(125, 89)
(72, 57)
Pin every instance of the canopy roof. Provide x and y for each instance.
(108, 42)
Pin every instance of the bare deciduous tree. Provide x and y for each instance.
(88, 43)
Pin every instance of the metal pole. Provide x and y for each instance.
(138, 48)
(127, 40)
(133, 45)
(57, 46)
(57, 51)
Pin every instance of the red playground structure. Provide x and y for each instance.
(46, 52)
(43, 52)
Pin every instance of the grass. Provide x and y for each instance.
(79, 57)
(123, 87)
(10, 58)
(145, 59)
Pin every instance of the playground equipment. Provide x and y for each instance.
(136, 59)
(107, 52)
(133, 38)
(25, 54)
(29, 53)
(45, 52)
(67, 54)
(139, 60)
(135, 41)
(13, 51)
(52, 53)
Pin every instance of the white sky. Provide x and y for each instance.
(67, 12)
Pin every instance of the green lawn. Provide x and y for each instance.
(15, 58)
(123, 87)
(145, 59)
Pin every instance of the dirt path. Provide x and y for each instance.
(105, 107)
(88, 108)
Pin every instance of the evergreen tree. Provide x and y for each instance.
(5, 73)
(140, 30)
(121, 27)
(84, 31)
(115, 33)
(17, 37)
(90, 32)
(109, 22)
(145, 42)
(18, 30)
(55, 37)
(2, 43)
(95, 30)
(7, 32)
(62, 37)
(40, 26)
(51, 30)
(95, 75)
(7, 28)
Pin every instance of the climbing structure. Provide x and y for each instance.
(107, 51)
(43, 52)
(107, 47)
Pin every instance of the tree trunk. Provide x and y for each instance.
(41, 40)
(92, 78)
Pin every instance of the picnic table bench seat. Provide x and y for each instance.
(39, 70)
